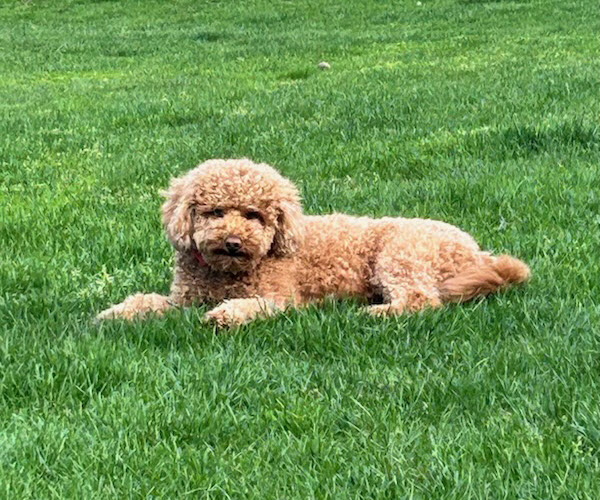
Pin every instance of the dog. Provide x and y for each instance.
(244, 245)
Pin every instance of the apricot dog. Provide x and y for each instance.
(243, 244)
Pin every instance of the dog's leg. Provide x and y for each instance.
(406, 300)
(239, 311)
(406, 286)
(137, 305)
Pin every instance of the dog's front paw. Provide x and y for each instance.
(227, 314)
(239, 311)
(135, 306)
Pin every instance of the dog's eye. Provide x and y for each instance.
(217, 212)
(252, 214)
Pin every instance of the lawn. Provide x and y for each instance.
(480, 113)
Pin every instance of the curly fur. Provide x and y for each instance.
(286, 258)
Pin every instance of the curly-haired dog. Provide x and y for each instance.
(243, 243)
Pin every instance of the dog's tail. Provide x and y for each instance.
(490, 275)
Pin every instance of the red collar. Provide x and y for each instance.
(199, 257)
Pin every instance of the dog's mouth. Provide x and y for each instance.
(230, 253)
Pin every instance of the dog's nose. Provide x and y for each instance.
(233, 244)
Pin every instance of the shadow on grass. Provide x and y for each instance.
(296, 74)
(534, 139)
(208, 36)
(516, 141)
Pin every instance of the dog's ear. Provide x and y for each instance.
(177, 214)
(290, 228)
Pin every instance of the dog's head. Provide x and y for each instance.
(234, 212)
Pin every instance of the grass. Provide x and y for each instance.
(480, 113)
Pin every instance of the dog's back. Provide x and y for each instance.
(340, 255)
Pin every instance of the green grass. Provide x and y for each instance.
(480, 113)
